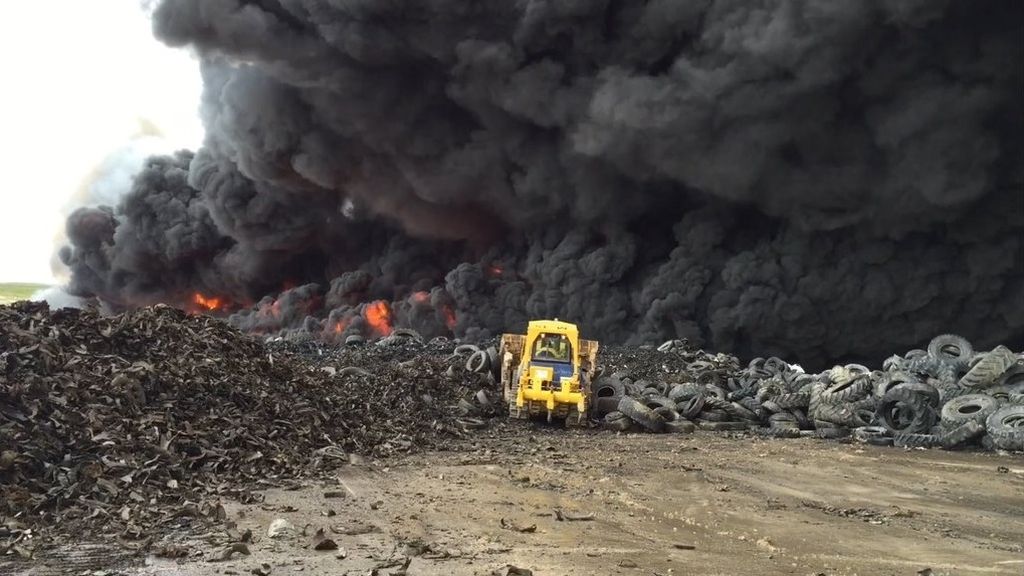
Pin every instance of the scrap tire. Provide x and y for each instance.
(680, 427)
(949, 391)
(890, 381)
(915, 440)
(492, 359)
(605, 406)
(793, 400)
(989, 369)
(927, 391)
(968, 408)
(845, 391)
(962, 434)
(684, 392)
(864, 410)
(866, 433)
(776, 365)
(715, 403)
(655, 402)
(715, 415)
(804, 421)
(616, 421)
(464, 348)
(836, 415)
(667, 414)
(479, 362)
(742, 412)
(1013, 379)
(716, 391)
(753, 405)
(1006, 427)
(768, 389)
(951, 348)
(921, 415)
(692, 408)
(833, 433)
(783, 418)
(641, 414)
(870, 402)
(609, 387)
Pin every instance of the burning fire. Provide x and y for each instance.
(210, 304)
(495, 270)
(339, 327)
(420, 297)
(449, 317)
(378, 316)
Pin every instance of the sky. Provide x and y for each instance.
(87, 93)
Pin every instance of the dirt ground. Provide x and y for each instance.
(584, 502)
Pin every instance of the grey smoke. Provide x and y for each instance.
(823, 179)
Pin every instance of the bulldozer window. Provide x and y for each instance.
(552, 347)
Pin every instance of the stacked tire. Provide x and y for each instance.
(946, 395)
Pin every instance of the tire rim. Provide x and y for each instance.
(951, 350)
(1015, 421)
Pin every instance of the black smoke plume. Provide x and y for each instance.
(819, 178)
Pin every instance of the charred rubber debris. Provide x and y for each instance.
(140, 423)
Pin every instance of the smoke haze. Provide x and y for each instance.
(820, 179)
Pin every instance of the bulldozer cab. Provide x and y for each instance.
(553, 351)
(552, 348)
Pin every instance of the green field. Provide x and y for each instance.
(14, 291)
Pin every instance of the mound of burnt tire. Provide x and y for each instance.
(136, 420)
(946, 396)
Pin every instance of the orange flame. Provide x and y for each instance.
(449, 317)
(339, 327)
(209, 304)
(420, 297)
(495, 270)
(378, 316)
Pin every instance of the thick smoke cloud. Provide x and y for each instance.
(823, 179)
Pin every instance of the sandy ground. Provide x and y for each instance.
(638, 504)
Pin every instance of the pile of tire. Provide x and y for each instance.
(714, 395)
(951, 396)
(947, 396)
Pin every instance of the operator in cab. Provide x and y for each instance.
(552, 347)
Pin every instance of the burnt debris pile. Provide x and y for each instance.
(948, 396)
(138, 419)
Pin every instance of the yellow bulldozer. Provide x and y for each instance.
(548, 371)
